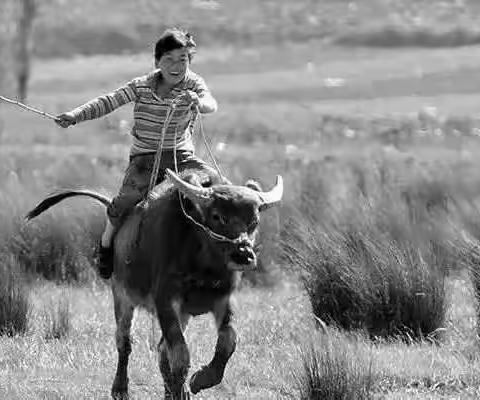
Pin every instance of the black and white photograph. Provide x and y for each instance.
(239, 199)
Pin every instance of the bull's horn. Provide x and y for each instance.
(191, 191)
(272, 197)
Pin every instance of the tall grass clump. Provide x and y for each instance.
(334, 368)
(60, 247)
(375, 253)
(14, 299)
(469, 212)
(59, 244)
(57, 323)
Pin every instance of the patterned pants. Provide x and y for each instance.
(137, 179)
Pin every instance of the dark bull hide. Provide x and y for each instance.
(181, 262)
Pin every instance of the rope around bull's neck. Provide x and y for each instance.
(158, 157)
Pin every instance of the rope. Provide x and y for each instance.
(207, 146)
(216, 236)
(158, 154)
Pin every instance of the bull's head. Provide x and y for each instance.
(231, 214)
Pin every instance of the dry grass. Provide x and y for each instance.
(374, 255)
(14, 298)
(334, 368)
(57, 319)
(273, 326)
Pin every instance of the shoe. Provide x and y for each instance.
(104, 258)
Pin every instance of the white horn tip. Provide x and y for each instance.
(274, 196)
(279, 184)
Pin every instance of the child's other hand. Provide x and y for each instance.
(191, 97)
(65, 120)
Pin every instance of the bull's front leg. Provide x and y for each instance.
(174, 357)
(212, 374)
(123, 318)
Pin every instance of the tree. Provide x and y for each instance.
(7, 33)
(16, 25)
(24, 46)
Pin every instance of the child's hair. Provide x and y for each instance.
(173, 39)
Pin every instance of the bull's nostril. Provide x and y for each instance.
(243, 255)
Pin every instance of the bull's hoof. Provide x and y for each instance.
(184, 393)
(120, 395)
(168, 394)
(205, 378)
(120, 390)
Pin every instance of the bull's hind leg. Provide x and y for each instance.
(123, 318)
(212, 374)
(173, 355)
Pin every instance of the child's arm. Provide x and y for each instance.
(202, 97)
(99, 106)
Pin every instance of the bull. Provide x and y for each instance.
(180, 253)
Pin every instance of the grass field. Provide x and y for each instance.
(281, 108)
(273, 326)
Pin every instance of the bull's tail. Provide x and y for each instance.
(55, 198)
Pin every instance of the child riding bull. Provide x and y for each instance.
(152, 95)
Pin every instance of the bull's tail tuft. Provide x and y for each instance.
(55, 198)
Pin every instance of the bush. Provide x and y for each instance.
(14, 300)
(375, 257)
(59, 247)
(357, 281)
(334, 369)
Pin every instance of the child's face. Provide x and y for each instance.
(174, 65)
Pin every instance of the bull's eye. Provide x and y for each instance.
(253, 225)
(219, 218)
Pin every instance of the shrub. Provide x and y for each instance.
(361, 282)
(334, 369)
(14, 300)
(57, 319)
(58, 248)
(470, 248)
(371, 259)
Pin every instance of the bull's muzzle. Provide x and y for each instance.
(243, 257)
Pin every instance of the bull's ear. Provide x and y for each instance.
(254, 185)
(193, 179)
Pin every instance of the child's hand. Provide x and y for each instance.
(191, 97)
(65, 120)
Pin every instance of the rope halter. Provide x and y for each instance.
(265, 199)
(199, 194)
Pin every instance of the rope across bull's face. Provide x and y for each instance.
(230, 216)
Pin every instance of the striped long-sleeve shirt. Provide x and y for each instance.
(150, 111)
